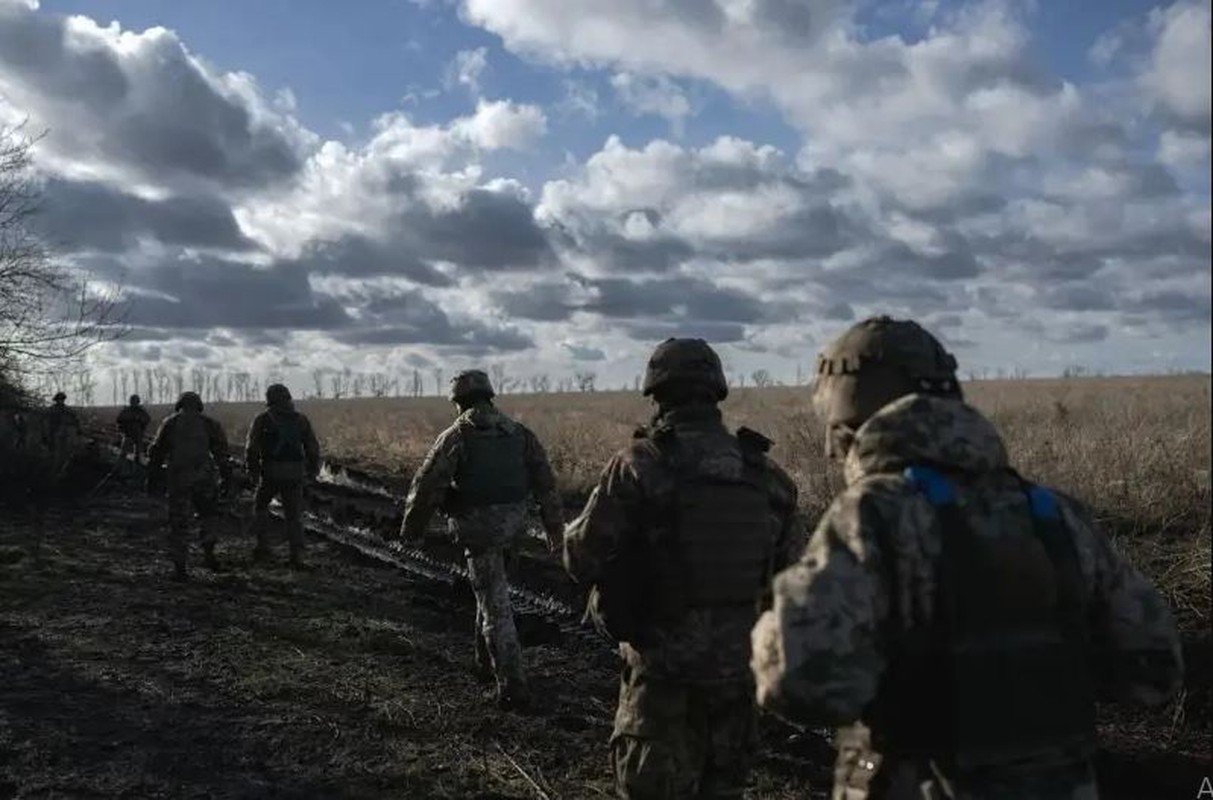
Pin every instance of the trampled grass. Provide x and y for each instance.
(1136, 450)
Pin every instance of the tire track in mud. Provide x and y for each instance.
(351, 507)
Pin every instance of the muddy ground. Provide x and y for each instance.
(349, 680)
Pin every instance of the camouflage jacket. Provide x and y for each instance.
(709, 644)
(257, 461)
(133, 420)
(193, 445)
(477, 527)
(820, 652)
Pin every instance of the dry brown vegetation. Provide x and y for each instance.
(1136, 450)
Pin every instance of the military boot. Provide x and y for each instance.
(514, 696)
(208, 556)
(483, 663)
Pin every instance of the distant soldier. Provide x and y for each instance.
(959, 620)
(481, 471)
(195, 449)
(281, 453)
(62, 431)
(679, 540)
(132, 424)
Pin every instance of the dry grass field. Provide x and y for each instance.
(1136, 450)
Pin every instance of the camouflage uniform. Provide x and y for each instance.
(63, 433)
(281, 452)
(132, 424)
(488, 531)
(869, 584)
(686, 724)
(195, 448)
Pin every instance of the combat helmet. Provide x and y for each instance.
(189, 401)
(687, 361)
(134, 400)
(277, 394)
(872, 364)
(470, 383)
(59, 397)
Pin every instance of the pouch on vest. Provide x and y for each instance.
(1002, 674)
(493, 468)
(724, 537)
(282, 446)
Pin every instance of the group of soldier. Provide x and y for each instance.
(189, 461)
(953, 621)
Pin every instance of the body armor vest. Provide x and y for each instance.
(722, 534)
(190, 443)
(1002, 673)
(282, 438)
(493, 468)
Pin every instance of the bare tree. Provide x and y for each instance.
(418, 386)
(380, 384)
(49, 314)
(762, 378)
(438, 384)
(585, 381)
(318, 382)
(497, 371)
(541, 383)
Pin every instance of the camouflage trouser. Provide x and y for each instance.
(496, 635)
(675, 740)
(183, 500)
(131, 443)
(861, 774)
(291, 495)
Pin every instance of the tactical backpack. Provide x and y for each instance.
(492, 470)
(282, 447)
(711, 546)
(1002, 674)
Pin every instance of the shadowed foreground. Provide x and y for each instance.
(346, 681)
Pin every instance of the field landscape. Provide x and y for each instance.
(1136, 450)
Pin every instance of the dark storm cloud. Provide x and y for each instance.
(581, 353)
(1077, 333)
(95, 216)
(488, 230)
(715, 332)
(1174, 306)
(403, 317)
(149, 106)
(209, 293)
(360, 257)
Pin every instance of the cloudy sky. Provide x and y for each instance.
(557, 185)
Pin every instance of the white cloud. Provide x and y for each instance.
(656, 95)
(503, 125)
(467, 68)
(1178, 75)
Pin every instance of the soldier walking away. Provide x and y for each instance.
(195, 449)
(480, 471)
(63, 433)
(959, 621)
(281, 454)
(132, 424)
(678, 542)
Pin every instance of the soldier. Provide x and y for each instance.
(679, 540)
(63, 433)
(480, 471)
(959, 621)
(281, 453)
(132, 424)
(195, 448)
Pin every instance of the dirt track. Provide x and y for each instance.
(351, 680)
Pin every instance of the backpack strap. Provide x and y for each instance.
(931, 484)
